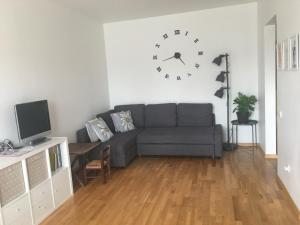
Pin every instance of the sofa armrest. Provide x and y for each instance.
(213, 119)
(218, 140)
(82, 136)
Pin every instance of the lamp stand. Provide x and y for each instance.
(228, 146)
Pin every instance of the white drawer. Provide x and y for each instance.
(61, 187)
(17, 211)
(42, 209)
(22, 221)
(41, 192)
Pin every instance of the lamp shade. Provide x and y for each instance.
(218, 60)
(221, 77)
(220, 93)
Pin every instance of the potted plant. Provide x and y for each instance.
(244, 106)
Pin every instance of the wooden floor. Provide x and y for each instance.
(240, 189)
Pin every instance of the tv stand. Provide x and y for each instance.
(38, 141)
(35, 184)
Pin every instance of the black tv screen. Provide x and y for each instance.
(32, 118)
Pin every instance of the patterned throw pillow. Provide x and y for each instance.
(122, 121)
(98, 129)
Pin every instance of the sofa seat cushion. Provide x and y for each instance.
(177, 135)
(122, 141)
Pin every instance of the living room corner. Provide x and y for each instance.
(149, 112)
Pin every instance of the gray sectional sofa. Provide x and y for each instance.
(163, 129)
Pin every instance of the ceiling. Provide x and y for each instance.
(117, 10)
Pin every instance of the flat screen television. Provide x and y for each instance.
(33, 121)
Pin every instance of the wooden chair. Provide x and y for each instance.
(102, 165)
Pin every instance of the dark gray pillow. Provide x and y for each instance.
(107, 118)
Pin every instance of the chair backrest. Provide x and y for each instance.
(106, 156)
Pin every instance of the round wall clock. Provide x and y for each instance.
(177, 55)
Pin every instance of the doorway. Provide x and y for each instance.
(270, 87)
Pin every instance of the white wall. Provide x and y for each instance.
(49, 52)
(130, 46)
(288, 18)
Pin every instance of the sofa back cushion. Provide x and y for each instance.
(161, 115)
(137, 113)
(192, 115)
(82, 136)
(108, 120)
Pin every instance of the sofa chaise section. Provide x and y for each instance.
(123, 145)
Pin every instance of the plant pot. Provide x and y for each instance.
(243, 117)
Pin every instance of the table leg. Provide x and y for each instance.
(232, 136)
(237, 135)
(252, 129)
(74, 173)
(253, 142)
(255, 136)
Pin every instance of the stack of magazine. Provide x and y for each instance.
(55, 158)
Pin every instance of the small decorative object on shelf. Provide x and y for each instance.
(244, 106)
(8, 149)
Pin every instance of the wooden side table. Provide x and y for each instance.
(80, 151)
(251, 123)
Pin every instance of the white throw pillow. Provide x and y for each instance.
(122, 121)
(98, 129)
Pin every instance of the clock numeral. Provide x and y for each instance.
(186, 33)
(155, 57)
(158, 69)
(157, 45)
(200, 53)
(178, 77)
(165, 36)
(189, 74)
(167, 76)
(196, 40)
(197, 65)
(177, 32)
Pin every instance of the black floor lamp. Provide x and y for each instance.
(222, 77)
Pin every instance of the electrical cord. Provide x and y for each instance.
(6, 145)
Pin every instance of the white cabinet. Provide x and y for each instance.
(42, 201)
(61, 187)
(30, 189)
(40, 192)
(42, 209)
(16, 211)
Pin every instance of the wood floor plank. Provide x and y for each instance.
(240, 189)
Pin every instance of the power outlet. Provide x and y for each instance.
(287, 168)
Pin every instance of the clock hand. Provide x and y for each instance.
(169, 58)
(182, 61)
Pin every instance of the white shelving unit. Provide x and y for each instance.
(32, 186)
